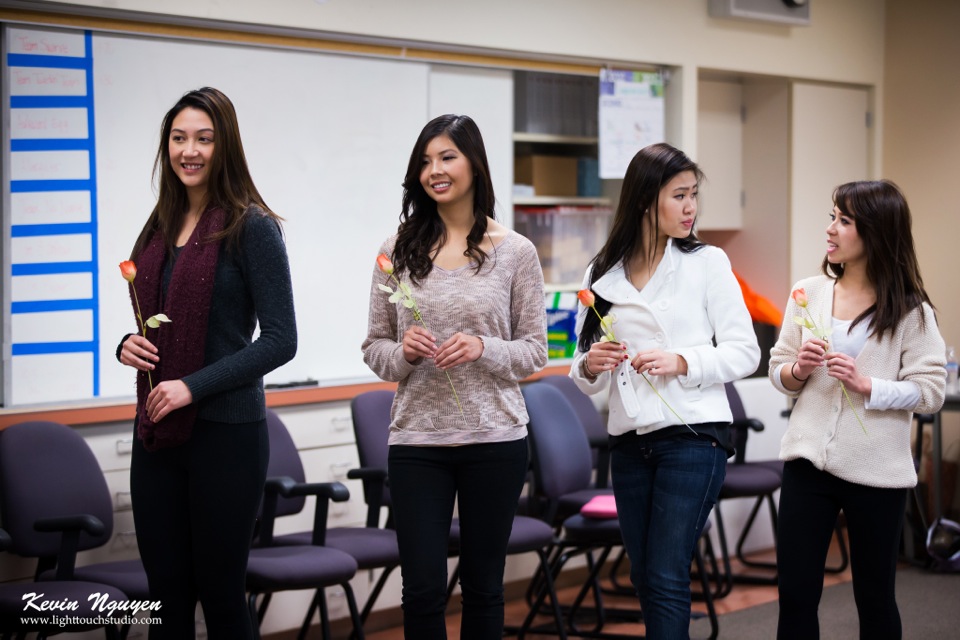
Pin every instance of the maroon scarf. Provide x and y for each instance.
(180, 343)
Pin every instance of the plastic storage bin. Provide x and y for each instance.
(566, 237)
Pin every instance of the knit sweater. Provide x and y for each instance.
(824, 430)
(503, 305)
(251, 284)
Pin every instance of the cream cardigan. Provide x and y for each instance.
(822, 427)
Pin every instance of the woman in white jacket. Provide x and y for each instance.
(849, 447)
(681, 323)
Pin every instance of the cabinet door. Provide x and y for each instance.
(486, 95)
(829, 146)
(720, 154)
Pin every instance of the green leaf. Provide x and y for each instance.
(408, 303)
(154, 321)
(800, 321)
(406, 289)
(396, 297)
(385, 288)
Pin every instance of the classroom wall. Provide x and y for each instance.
(921, 153)
(843, 43)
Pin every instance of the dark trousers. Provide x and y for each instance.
(810, 501)
(485, 480)
(194, 507)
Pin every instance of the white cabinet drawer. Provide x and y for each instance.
(318, 425)
(119, 484)
(112, 445)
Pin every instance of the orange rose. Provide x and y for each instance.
(800, 297)
(586, 297)
(128, 270)
(384, 264)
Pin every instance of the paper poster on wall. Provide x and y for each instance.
(631, 117)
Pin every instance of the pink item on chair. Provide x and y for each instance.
(600, 508)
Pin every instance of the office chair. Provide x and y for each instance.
(759, 479)
(371, 423)
(54, 502)
(592, 423)
(15, 618)
(370, 547)
(561, 463)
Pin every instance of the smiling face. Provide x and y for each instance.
(844, 244)
(191, 147)
(446, 174)
(677, 205)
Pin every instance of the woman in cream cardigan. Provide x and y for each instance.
(870, 354)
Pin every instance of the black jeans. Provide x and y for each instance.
(194, 507)
(810, 501)
(485, 480)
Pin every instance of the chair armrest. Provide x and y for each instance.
(288, 488)
(374, 480)
(748, 423)
(70, 528)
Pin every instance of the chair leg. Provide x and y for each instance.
(618, 587)
(319, 603)
(254, 615)
(707, 593)
(372, 598)
(768, 498)
(354, 615)
(454, 577)
(551, 592)
(727, 585)
(844, 554)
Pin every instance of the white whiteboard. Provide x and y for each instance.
(327, 138)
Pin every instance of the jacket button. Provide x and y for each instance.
(659, 337)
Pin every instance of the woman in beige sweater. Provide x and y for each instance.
(867, 355)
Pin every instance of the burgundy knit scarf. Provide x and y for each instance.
(180, 343)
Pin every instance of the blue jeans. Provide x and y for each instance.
(665, 489)
(485, 480)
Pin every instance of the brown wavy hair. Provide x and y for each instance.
(421, 228)
(230, 186)
(882, 217)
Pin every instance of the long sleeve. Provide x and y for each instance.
(263, 287)
(524, 352)
(736, 354)
(382, 349)
(501, 303)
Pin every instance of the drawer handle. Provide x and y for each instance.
(341, 423)
(339, 470)
(125, 447)
(123, 502)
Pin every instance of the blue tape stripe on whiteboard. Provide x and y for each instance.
(50, 144)
(42, 306)
(46, 348)
(27, 186)
(48, 268)
(48, 62)
(94, 233)
(47, 102)
(34, 230)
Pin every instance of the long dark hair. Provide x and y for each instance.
(882, 218)
(649, 171)
(420, 225)
(230, 186)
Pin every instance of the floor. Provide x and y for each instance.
(742, 596)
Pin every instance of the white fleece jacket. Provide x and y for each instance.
(691, 300)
